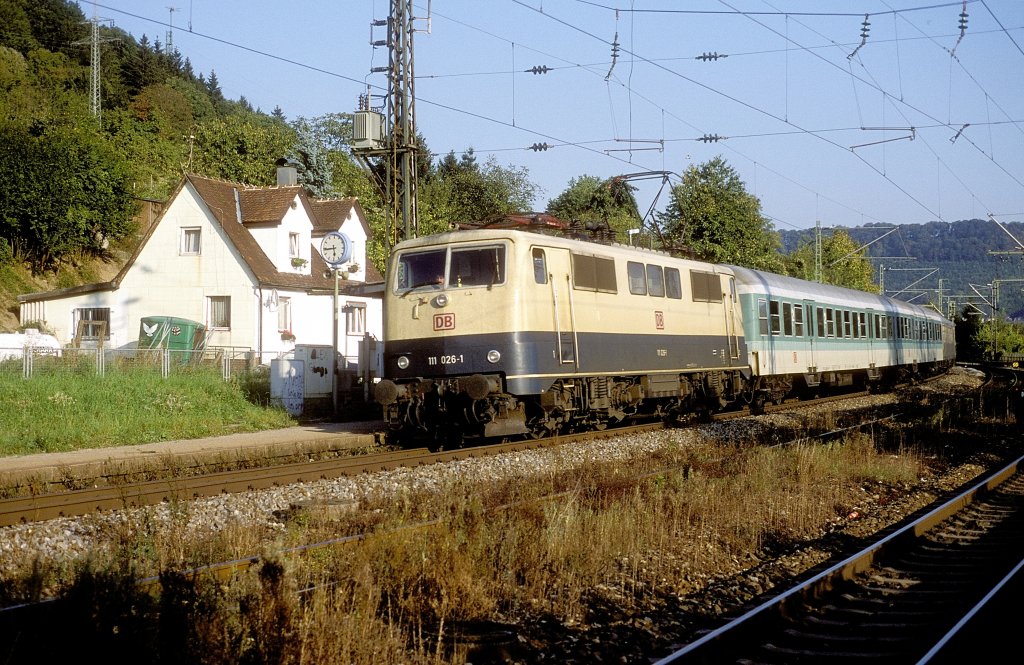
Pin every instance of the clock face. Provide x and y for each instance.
(334, 248)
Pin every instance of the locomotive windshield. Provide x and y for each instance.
(416, 269)
(470, 266)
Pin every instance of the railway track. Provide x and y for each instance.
(34, 508)
(121, 495)
(935, 591)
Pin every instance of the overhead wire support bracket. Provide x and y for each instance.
(660, 147)
(960, 131)
(911, 137)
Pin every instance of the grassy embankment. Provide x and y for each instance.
(67, 410)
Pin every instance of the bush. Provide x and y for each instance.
(255, 384)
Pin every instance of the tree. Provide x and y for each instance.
(711, 216)
(241, 148)
(461, 190)
(316, 171)
(842, 263)
(66, 191)
(591, 199)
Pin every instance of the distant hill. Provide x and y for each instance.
(960, 250)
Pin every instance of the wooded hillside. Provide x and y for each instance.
(962, 252)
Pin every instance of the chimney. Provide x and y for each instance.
(287, 174)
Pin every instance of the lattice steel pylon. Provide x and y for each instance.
(94, 42)
(400, 148)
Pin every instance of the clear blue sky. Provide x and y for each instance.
(793, 96)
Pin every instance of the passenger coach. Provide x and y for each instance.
(809, 335)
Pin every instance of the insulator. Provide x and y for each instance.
(539, 69)
(711, 138)
(381, 22)
(539, 147)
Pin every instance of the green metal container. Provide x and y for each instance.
(171, 332)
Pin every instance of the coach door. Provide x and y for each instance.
(733, 329)
(555, 265)
(810, 330)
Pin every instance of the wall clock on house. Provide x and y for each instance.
(336, 248)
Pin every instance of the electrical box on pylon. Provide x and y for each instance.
(367, 130)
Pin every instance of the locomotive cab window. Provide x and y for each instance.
(477, 266)
(540, 267)
(416, 269)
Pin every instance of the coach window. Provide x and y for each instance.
(787, 318)
(540, 267)
(798, 320)
(655, 281)
(847, 329)
(762, 315)
(637, 278)
(830, 322)
(773, 306)
(821, 322)
(856, 328)
(673, 285)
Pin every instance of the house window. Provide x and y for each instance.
(92, 322)
(355, 318)
(284, 314)
(219, 312)
(293, 245)
(190, 241)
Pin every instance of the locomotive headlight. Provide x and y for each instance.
(441, 300)
(402, 362)
(493, 356)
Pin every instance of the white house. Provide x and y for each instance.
(243, 261)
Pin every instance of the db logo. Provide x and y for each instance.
(659, 320)
(444, 321)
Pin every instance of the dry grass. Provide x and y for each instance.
(626, 532)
